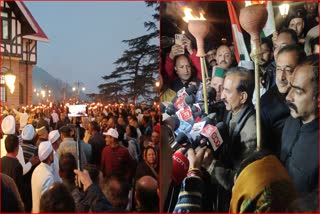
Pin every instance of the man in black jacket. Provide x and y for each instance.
(299, 152)
(274, 110)
(97, 142)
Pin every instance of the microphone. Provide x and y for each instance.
(199, 127)
(190, 99)
(182, 140)
(172, 122)
(185, 114)
(192, 89)
(197, 116)
(195, 109)
(212, 133)
(179, 100)
(170, 110)
(199, 94)
(162, 108)
(210, 119)
(180, 167)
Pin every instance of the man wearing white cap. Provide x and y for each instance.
(54, 138)
(42, 177)
(115, 159)
(29, 150)
(8, 126)
(28, 147)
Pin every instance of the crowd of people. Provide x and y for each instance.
(112, 153)
(283, 174)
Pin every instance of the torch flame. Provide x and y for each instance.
(188, 15)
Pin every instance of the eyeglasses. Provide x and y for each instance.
(279, 47)
(288, 70)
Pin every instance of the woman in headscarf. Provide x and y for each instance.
(150, 164)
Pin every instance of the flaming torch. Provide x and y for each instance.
(252, 19)
(199, 28)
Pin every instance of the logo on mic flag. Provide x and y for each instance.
(185, 114)
(180, 166)
(213, 135)
(180, 102)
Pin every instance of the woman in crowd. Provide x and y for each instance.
(150, 164)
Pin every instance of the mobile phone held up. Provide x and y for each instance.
(80, 110)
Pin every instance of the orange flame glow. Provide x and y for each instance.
(188, 15)
(248, 3)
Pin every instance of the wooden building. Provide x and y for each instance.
(19, 36)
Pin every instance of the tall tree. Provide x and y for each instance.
(137, 69)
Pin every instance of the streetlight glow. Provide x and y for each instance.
(284, 10)
(10, 79)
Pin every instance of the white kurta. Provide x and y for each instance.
(55, 167)
(42, 178)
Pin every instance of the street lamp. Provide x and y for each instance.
(10, 79)
(157, 84)
(284, 9)
(43, 93)
(76, 88)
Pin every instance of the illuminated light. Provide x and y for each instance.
(188, 15)
(249, 3)
(284, 9)
(10, 79)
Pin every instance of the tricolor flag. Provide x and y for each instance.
(240, 49)
(270, 26)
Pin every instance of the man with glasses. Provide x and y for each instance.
(274, 110)
(280, 39)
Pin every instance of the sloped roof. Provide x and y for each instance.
(39, 35)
